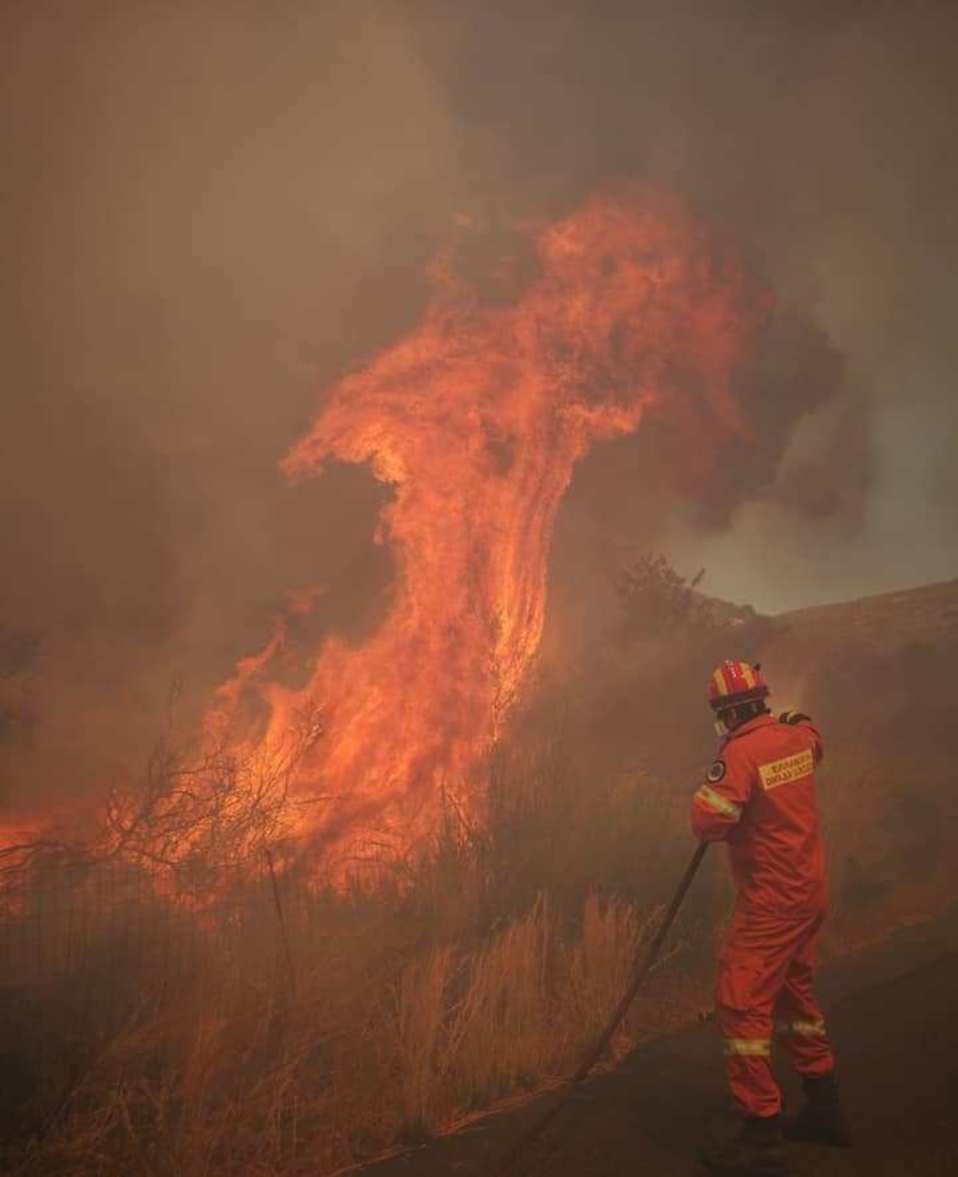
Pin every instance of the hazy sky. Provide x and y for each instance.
(212, 209)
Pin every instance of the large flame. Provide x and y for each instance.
(476, 420)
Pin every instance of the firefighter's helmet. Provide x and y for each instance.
(733, 683)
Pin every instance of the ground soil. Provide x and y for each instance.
(893, 1014)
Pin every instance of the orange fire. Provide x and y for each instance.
(476, 420)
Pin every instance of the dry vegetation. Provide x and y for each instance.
(272, 1025)
(191, 998)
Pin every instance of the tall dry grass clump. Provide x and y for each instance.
(512, 1015)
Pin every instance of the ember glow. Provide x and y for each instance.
(476, 420)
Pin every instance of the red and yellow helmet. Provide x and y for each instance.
(736, 682)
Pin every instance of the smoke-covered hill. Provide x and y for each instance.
(878, 674)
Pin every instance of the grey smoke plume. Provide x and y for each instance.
(212, 209)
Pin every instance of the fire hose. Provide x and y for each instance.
(597, 1049)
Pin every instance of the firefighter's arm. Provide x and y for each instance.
(717, 806)
(798, 719)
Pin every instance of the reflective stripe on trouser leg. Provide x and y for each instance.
(800, 1026)
(747, 1045)
(807, 1045)
(801, 1029)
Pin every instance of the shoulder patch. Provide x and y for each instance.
(716, 772)
(794, 717)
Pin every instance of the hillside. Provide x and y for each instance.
(888, 620)
(878, 674)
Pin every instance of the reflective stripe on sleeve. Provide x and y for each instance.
(718, 804)
(801, 1029)
(748, 1046)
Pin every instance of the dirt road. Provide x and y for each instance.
(893, 1013)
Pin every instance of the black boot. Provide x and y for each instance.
(821, 1120)
(755, 1151)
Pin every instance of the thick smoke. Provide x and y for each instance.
(213, 209)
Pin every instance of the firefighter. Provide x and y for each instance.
(759, 797)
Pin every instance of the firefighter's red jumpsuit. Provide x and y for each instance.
(760, 798)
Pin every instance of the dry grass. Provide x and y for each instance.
(242, 1037)
(229, 1077)
(511, 1016)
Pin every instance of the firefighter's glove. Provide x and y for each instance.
(794, 717)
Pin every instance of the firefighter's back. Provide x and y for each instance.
(777, 851)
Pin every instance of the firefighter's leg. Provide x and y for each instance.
(751, 972)
(744, 1014)
(799, 1022)
(800, 1026)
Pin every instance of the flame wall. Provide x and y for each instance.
(476, 420)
